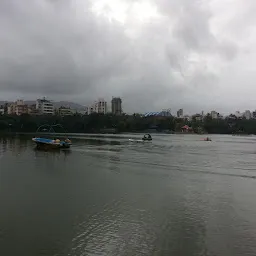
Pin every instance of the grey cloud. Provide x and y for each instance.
(228, 50)
(62, 50)
(54, 55)
(192, 26)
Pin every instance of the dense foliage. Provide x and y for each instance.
(126, 123)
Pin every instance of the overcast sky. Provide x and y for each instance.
(155, 54)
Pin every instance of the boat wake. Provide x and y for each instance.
(138, 141)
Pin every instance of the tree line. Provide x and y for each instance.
(96, 123)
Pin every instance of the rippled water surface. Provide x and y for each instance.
(176, 195)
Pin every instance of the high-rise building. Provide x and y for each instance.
(44, 107)
(180, 113)
(116, 106)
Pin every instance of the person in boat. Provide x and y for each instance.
(147, 137)
(56, 140)
(67, 140)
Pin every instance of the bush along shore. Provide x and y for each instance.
(99, 123)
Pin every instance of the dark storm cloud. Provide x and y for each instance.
(61, 49)
(50, 52)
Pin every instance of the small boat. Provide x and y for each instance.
(147, 137)
(52, 143)
(207, 139)
(48, 143)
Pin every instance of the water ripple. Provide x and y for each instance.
(176, 195)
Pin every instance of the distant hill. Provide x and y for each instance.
(56, 104)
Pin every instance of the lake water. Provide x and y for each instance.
(176, 195)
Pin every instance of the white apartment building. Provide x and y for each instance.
(247, 114)
(238, 114)
(20, 108)
(198, 117)
(64, 111)
(89, 110)
(99, 106)
(44, 107)
(17, 108)
(180, 113)
(11, 109)
(214, 114)
(187, 117)
(1, 110)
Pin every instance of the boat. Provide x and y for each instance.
(207, 139)
(52, 143)
(147, 137)
(49, 143)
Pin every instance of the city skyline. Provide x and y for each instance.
(100, 105)
(153, 54)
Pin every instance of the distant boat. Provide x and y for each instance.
(207, 139)
(147, 137)
(48, 143)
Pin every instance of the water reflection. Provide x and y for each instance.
(52, 153)
(114, 162)
(15, 145)
(3, 148)
(118, 229)
(94, 141)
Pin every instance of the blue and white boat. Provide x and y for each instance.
(50, 143)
